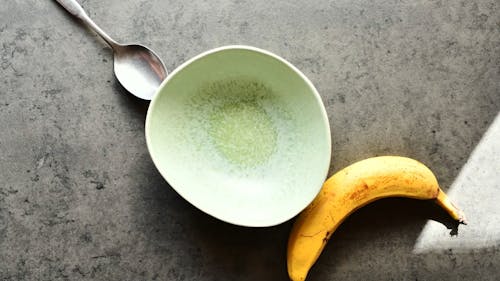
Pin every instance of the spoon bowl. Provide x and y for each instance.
(139, 70)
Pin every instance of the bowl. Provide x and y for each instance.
(241, 134)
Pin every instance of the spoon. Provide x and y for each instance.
(137, 68)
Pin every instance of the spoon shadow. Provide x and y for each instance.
(137, 106)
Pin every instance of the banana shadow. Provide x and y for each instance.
(377, 243)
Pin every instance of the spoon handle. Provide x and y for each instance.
(76, 10)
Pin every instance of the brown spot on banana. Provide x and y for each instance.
(327, 237)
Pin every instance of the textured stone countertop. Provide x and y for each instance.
(80, 198)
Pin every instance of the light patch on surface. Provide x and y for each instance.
(476, 190)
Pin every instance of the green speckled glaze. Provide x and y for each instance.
(233, 129)
(237, 114)
(241, 134)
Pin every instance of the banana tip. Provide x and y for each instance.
(462, 219)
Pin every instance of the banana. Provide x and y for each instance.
(350, 189)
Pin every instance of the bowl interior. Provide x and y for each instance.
(242, 135)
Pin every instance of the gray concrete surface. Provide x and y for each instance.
(81, 200)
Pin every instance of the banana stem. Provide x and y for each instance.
(443, 201)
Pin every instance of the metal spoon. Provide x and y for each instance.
(138, 68)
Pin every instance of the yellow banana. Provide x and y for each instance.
(350, 189)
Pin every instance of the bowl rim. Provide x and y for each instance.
(326, 127)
